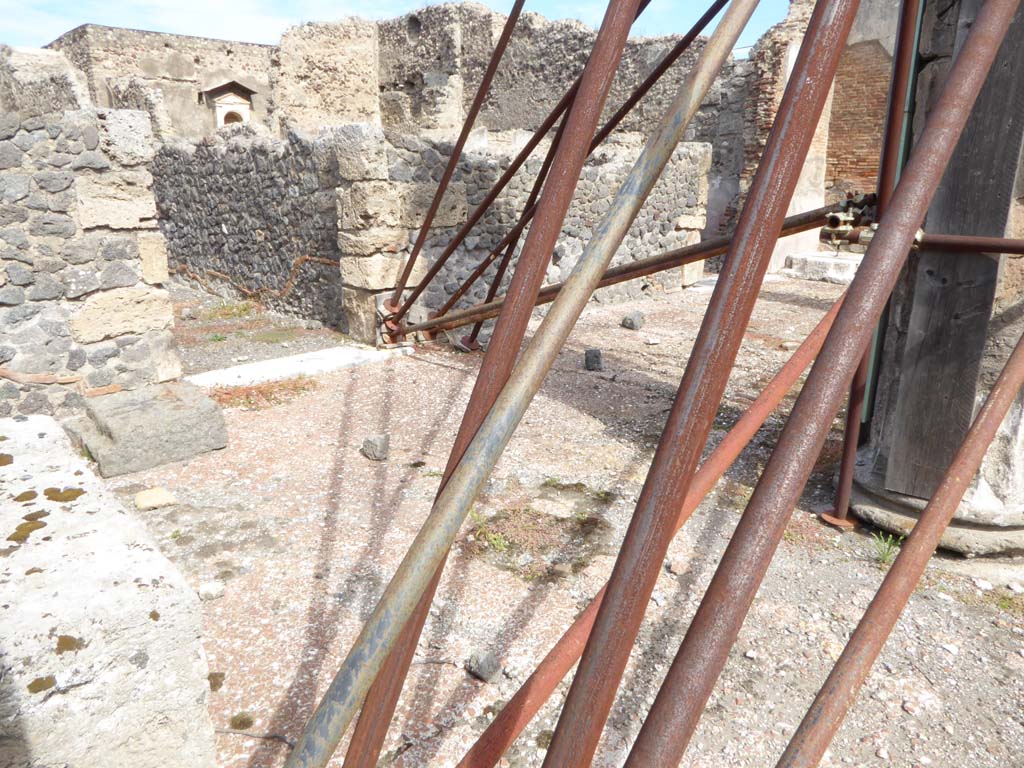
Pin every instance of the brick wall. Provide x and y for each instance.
(858, 119)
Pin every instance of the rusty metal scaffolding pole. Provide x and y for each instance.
(374, 720)
(453, 159)
(638, 93)
(532, 695)
(670, 58)
(675, 461)
(541, 353)
(705, 649)
(837, 695)
(971, 243)
(651, 265)
(889, 166)
(419, 568)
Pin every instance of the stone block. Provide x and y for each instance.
(369, 204)
(53, 181)
(360, 307)
(691, 221)
(154, 498)
(14, 187)
(10, 155)
(379, 271)
(46, 288)
(375, 447)
(369, 241)
(691, 273)
(19, 274)
(78, 282)
(327, 74)
(126, 136)
(11, 295)
(153, 254)
(164, 361)
(52, 225)
(120, 200)
(694, 271)
(120, 311)
(634, 321)
(91, 160)
(13, 214)
(117, 274)
(98, 672)
(135, 430)
(358, 149)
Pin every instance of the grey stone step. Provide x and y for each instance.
(827, 267)
(132, 431)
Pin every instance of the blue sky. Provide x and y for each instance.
(37, 22)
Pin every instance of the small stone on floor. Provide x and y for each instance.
(592, 360)
(634, 320)
(154, 498)
(375, 447)
(483, 666)
(211, 590)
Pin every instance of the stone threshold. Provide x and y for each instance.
(304, 364)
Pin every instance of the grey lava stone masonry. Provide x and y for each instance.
(255, 217)
(81, 260)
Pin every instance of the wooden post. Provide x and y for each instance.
(953, 293)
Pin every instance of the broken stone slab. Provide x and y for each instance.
(99, 671)
(131, 431)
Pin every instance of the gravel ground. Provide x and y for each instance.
(214, 333)
(304, 532)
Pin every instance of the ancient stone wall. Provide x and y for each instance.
(255, 215)
(376, 236)
(178, 67)
(672, 217)
(81, 258)
(432, 61)
(326, 74)
(321, 227)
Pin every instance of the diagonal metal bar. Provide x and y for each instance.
(453, 159)
(670, 58)
(700, 392)
(651, 265)
(837, 695)
(537, 689)
(379, 707)
(705, 649)
(420, 567)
